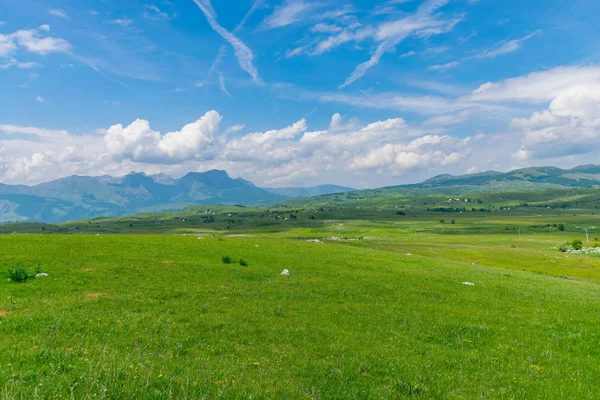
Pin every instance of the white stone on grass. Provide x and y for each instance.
(41, 274)
(285, 272)
(468, 284)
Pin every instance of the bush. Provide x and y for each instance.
(596, 245)
(453, 222)
(243, 262)
(561, 227)
(226, 260)
(563, 248)
(577, 244)
(400, 213)
(19, 275)
(442, 221)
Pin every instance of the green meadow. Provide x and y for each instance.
(376, 308)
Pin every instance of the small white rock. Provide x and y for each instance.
(468, 284)
(408, 254)
(41, 274)
(285, 272)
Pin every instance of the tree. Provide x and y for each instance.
(577, 244)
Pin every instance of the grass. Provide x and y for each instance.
(166, 315)
(156, 316)
(19, 275)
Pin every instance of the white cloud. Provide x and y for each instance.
(290, 12)
(326, 28)
(222, 84)
(262, 146)
(336, 122)
(291, 155)
(506, 47)
(121, 21)
(422, 23)
(236, 128)
(39, 99)
(29, 64)
(48, 134)
(30, 40)
(448, 119)
(537, 87)
(7, 45)
(138, 142)
(347, 35)
(443, 67)
(59, 13)
(156, 12)
(44, 28)
(244, 55)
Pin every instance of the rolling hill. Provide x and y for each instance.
(535, 178)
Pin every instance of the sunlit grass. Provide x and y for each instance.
(162, 316)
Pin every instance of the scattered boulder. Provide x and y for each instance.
(408, 254)
(314, 241)
(468, 283)
(41, 275)
(285, 272)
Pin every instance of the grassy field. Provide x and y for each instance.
(161, 316)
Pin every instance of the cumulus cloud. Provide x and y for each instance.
(31, 41)
(570, 125)
(138, 142)
(264, 146)
(287, 155)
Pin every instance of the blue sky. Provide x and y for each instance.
(294, 93)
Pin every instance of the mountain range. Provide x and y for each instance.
(84, 197)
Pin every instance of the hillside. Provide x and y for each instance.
(527, 179)
(84, 197)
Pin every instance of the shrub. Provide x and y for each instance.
(596, 245)
(226, 260)
(442, 221)
(453, 221)
(400, 213)
(577, 244)
(561, 227)
(563, 248)
(243, 262)
(19, 275)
